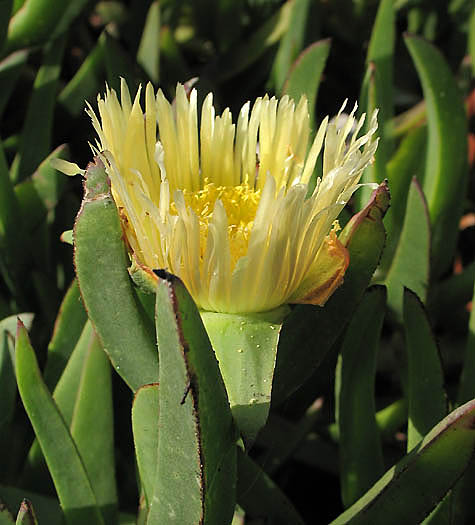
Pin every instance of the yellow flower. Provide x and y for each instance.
(225, 206)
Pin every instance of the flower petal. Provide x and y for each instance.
(326, 274)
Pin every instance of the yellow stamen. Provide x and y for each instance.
(240, 203)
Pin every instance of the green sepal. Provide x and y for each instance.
(246, 348)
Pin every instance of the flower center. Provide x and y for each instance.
(240, 203)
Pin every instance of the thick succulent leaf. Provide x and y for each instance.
(6, 517)
(427, 400)
(85, 84)
(291, 44)
(93, 409)
(38, 197)
(305, 74)
(107, 291)
(47, 509)
(453, 293)
(377, 91)
(148, 55)
(471, 40)
(7, 381)
(392, 418)
(260, 497)
(409, 491)
(64, 462)
(35, 142)
(220, 20)
(196, 467)
(361, 455)
(446, 149)
(145, 427)
(10, 69)
(309, 332)
(39, 21)
(9, 324)
(246, 347)
(8, 388)
(5, 11)
(65, 397)
(467, 385)
(405, 163)
(67, 330)
(26, 514)
(118, 62)
(243, 55)
(13, 241)
(410, 265)
(281, 438)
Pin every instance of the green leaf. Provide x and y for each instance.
(67, 330)
(13, 241)
(118, 62)
(26, 515)
(9, 324)
(302, 347)
(65, 397)
(467, 385)
(281, 439)
(64, 462)
(37, 128)
(8, 387)
(259, 496)
(248, 51)
(196, 469)
(39, 21)
(453, 293)
(392, 418)
(148, 55)
(361, 455)
(377, 90)
(471, 41)
(10, 69)
(410, 266)
(67, 388)
(85, 84)
(410, 490)
(403, 166)
(47, 509)
(246, 346)
(291, 44)
(94, 410)
(446, 149)
(462, 504)
(427, 401)
(7, 381)
(38, 197)
(6, 517)
(145, 427)
(106, 288)
(5, 12)
(304, 76)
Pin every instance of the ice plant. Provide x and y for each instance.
(227, 206)
(234, 210)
